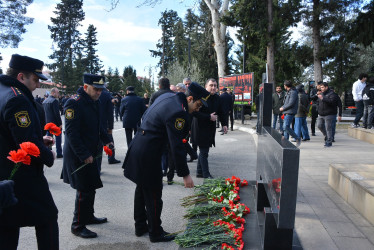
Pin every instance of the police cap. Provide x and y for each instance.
(130, 88)
(199, 92)
(27, 64)
(94, 80)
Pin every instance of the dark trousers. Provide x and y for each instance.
(84, 208)
(232, 119)
(58, 143)
(113, 157)
(367, 118)
(325, 124)
(148, 208)
(171, 165)
(46, 236)
(164, 160)
(202, 162)
(359, 111)
(190, 151)
(129, 133)
(314, 118)
(116, 110)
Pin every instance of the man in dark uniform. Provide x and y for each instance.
(19, 122)
(163, 122)
(203, 128)
(107, 121)
(83, 137)
(132, 109)
(52, 114)
(232, 108)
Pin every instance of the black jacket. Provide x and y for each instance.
(278, 102)
(106, 110)
(52, 111)
(203, 130)
(19, 122)
(132, 109)
(157, 94)
(166, 121)
(225, 103)
(83, 137)
(328, 104)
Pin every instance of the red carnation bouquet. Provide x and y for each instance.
(53, 129)
(107, 150)
(23, 156)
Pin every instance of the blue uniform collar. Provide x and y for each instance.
(12, 82)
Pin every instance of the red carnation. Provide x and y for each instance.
(108, 151)
(184, 141)
(53, 129)
(30, 148)
(19, 156)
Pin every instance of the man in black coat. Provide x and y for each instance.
(132, 109)
(226, 106)
(327, 111)
(232, 109)
(163, 122)
(52, 114)
(278, 100)
(203, 128)
(84, 136)
(163, 87)
(19, 122)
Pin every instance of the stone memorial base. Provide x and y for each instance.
(355, 184)
(362, 134)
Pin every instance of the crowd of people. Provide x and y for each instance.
(158, 130)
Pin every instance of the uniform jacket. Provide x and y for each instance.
(166, 121)
(52, 111)
(203, 130)
(278, 102)
(83, 137)
(303, 106)
(132, 109)
(328, 104)
(291, 102)
(19, 122)
(106, 110)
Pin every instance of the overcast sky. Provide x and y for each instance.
(124, 34)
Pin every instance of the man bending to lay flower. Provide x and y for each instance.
(19, 123)
(165, 121)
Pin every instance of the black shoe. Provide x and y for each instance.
(313, 134)
(59, 156)
(96, 220)
(199, 175)
(305, 139)
(220, 130)
(327, 145)
(83, 232)
(193, 157)
(115, 161)
(209, 177)
(165, 236)
(164, 173)
(141, 232)
(170, 182)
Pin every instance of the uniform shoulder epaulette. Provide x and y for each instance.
(77, 97)
(16, 91)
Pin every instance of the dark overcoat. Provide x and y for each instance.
(166, 121)
(52, 111)
(106, 110)
(203, 130)
(132, 109)
(83, 133)
(19, 122)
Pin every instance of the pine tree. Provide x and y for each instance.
(65, 35)
(93, 65)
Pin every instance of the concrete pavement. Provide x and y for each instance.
(323, 219)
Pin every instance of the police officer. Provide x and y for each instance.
(52, 114)
(19, 122)
(163, 122)
(83, 133)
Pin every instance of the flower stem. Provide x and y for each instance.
(97, 156)
(14, 170)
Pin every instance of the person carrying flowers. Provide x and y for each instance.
(19, 125)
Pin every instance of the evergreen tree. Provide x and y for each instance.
(93, 65)
(13, 21)
(65, 35)
(165, 48)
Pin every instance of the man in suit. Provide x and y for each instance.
(226, 106)
(132, 109)
(163, 122)
(52, 114)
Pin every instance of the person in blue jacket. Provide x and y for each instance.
(165, 121)
(84, 137)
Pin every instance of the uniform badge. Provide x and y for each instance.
(179, 123)
(69, 114)
(23, 119)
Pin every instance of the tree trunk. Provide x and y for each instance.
(270, 46)
(317, 42)
(219, 33)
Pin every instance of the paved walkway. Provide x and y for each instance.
(323, 219)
